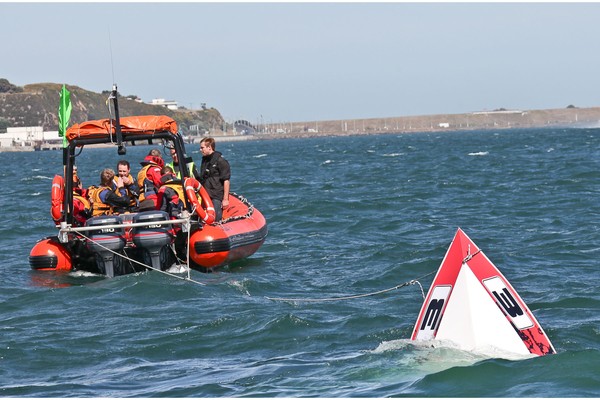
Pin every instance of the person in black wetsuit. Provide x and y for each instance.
(104, 199)
(215, 175)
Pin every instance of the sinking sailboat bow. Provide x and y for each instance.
(471, 304)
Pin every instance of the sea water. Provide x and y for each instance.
(347, 216)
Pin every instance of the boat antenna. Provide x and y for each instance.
(120, 148)
(112, 67)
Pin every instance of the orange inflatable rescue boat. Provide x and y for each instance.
(138, 240)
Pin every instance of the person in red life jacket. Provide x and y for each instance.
(171, 196)
(78, 188)
(76, 181)
(172, 199)
(82, 208)
(148, 180)
(104, 199)
(215, 175)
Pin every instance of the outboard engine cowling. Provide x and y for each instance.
(106, 241)
(154, 237)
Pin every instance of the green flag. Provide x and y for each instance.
(64, 114)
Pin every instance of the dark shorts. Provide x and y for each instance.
(218, 209)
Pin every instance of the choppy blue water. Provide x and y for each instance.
(346, 216)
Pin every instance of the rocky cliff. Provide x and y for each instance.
(37, 105)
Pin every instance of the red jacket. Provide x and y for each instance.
(149, 177)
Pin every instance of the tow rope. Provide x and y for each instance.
(357, 296)
(187, 278)
(285, 299)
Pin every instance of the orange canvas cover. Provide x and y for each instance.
(142, 124)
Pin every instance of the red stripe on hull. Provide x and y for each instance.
(461, 252)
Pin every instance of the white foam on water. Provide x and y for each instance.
(393, 154)
(431, 356)
(178, 269)
(79, 274)
(240, 285)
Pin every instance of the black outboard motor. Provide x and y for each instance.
(153, 238)
(104, 240)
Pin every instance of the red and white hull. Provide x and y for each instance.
(471, 304)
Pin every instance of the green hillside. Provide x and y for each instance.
(37, 105)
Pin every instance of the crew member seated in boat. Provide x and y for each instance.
(82, 208)
(105, 200)
(148, 180)
(171, 196)
(130, 187)
(175, 166)
(76, 180)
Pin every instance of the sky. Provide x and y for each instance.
(286, 62)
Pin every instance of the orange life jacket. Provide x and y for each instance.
(98, 207)
(146, 186)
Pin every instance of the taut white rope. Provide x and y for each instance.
(411, 282)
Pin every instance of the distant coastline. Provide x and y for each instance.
(480, 120)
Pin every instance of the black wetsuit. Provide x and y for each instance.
(214, 170)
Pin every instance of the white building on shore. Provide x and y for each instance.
(27, 136)
(170, 104)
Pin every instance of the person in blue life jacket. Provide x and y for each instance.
(175, 166)
(215, 175)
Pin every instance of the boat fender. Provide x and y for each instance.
(50, 254)
(207, 213)
(57, 197)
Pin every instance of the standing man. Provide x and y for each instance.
(214, 176)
